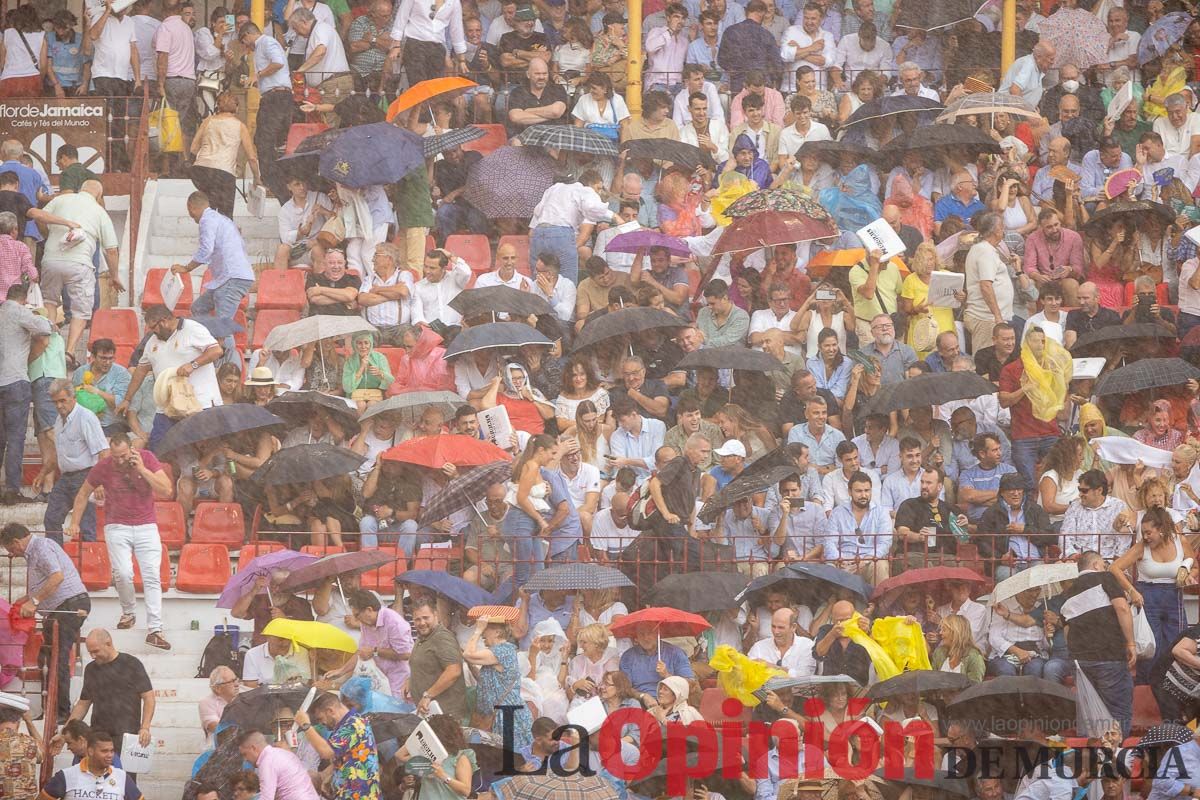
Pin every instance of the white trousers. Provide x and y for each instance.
(125, 543)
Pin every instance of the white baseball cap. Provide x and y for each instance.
(733, 447)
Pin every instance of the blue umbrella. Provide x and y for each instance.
(446, 585)
(1160, 36)
(369, 155)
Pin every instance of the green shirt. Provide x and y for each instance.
(368, 381)
(1129, 139)
(72, 177)
(887, 287)
(52, 363)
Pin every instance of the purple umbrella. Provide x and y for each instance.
(635, 241)
(310, 576)
(243, 581)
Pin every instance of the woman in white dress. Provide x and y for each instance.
(586, 671)
(600, 106)
(826, 307)
(545, 664)
(579, 385)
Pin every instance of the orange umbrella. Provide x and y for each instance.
(425, 91)
(820, 264)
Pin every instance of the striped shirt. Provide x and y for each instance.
(43, 558)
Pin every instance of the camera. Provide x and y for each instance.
(1141, 311)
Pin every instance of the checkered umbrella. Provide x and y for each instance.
(432, 145)
(553, 787)
(463, 491)
(568, 137)
(572, 577)
(740, 488)
(1147, 373)
(510, 182)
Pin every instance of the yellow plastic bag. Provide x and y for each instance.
(903, 641)
(731, 187)
(1047, 374)
(884, 666)
(739, 675)
(164, 128)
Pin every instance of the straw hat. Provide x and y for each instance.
(261, 376)
(160, 387)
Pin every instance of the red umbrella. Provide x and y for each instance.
(919, 577)
(669, 621)
(452, 448)
(769, 228)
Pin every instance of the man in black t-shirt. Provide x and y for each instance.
(454, 213)
(335, 291)
(11, 198)
(1100, 634)
(520, 46)
(537, 102)
(117, 690)
(835, 653)
(1089, 316)
(804, 388)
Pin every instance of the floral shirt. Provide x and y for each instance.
(355, 760)
(18, 767)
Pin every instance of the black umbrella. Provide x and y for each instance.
(1129, 212)
(697, 592)
(807, 577)
(299, 407)
(499, 299)
(623, 321)
(1000, 702)
(930, 15)
(733, 357)
(215, 422)
(832, 150)
(304, 463)
(741, 487)
(494, 335)
(931, 138)
(389, 725)
(918, 681)
(938, 786)
(892, 105)
(681, 154)
(776, 457)
(1121, 333)
(1147, 373)
(930, 390)
(258, 707)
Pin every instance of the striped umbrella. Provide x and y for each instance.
(432, 145)
(463, 491)
(568, 137)
(572, 577)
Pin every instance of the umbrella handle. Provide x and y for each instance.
(341, 591)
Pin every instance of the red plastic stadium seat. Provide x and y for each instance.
(203, 568)
(219, 523)
(393, 356)
(265, 322)
(249, 552)
(301, 131)
(281, 289)
(91, 559)
(495, 136)
(151, 296)
(1163, 294)
(322, 550)
(172, 523)
(522, 245)
(164, 572)
(241, 338)
(472, 248)
(119, 324)
(434, 558)
(383, 580)
(1145, 709)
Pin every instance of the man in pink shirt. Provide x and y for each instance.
(281, 775)
(175, 65)
(1055, 254)
(666, 49)
(384, 636)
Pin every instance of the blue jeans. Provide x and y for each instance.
(1114, 684)
(1052, 669)
(403, 534)
(557, 239)
(1163, 606)
(15, 399)
(1026, 452)
(62, 498)
(223, 301)
(162, 424)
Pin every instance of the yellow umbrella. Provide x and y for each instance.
(312, 635)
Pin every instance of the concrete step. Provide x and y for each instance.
(163, 788)
(181, 690)
(165, 223)
(174, 715)
(166, 665)
(184, 642)
(165, 250)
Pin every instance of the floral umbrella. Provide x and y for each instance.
(1160, 36)
(771, 228)
(1078, 36)
(773, 200)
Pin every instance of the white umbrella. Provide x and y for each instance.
(1047, 577)
(313, 329)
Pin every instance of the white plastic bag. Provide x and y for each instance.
(1143, 637)
(371, 670)
(1092, 717)
(256, 201)
(171, 289)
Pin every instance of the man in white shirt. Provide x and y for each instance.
(610, 528)
(784, 649)
(911, 75)
(707, 133)
(259, 666)
(1024, 77)
(445, 276)
(564, 218)
(777, 316)
(186, 348)
(693, 81)
(836, 483)
(298, 45)
(1151, 156)
(807, 44)
(551, 286)
(583, 482)
(976, 613)
(802, 130)
(325, 66)
(1179, 129)
(386, 296)
(504, 23)
(505, 273)
(1122, 42)
(116, 69)
(858, 52)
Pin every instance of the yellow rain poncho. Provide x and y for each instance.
(740, 676)
(1048, 370)
(731, 187)
(884, 666)
(903, 642)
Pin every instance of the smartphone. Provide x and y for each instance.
(230, 21)
(826, 294)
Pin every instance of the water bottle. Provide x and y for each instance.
(959, 532)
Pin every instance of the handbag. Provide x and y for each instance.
(609, 130)
(209, 80)
(165, 132)
(366, 395)
(924, 333)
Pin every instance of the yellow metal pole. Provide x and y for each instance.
(633, 72)
(1008, 38)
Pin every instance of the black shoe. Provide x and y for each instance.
(10, 497)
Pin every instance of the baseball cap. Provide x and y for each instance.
(733, 447)
(525, 14)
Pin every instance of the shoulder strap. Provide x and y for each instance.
(33, 57)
